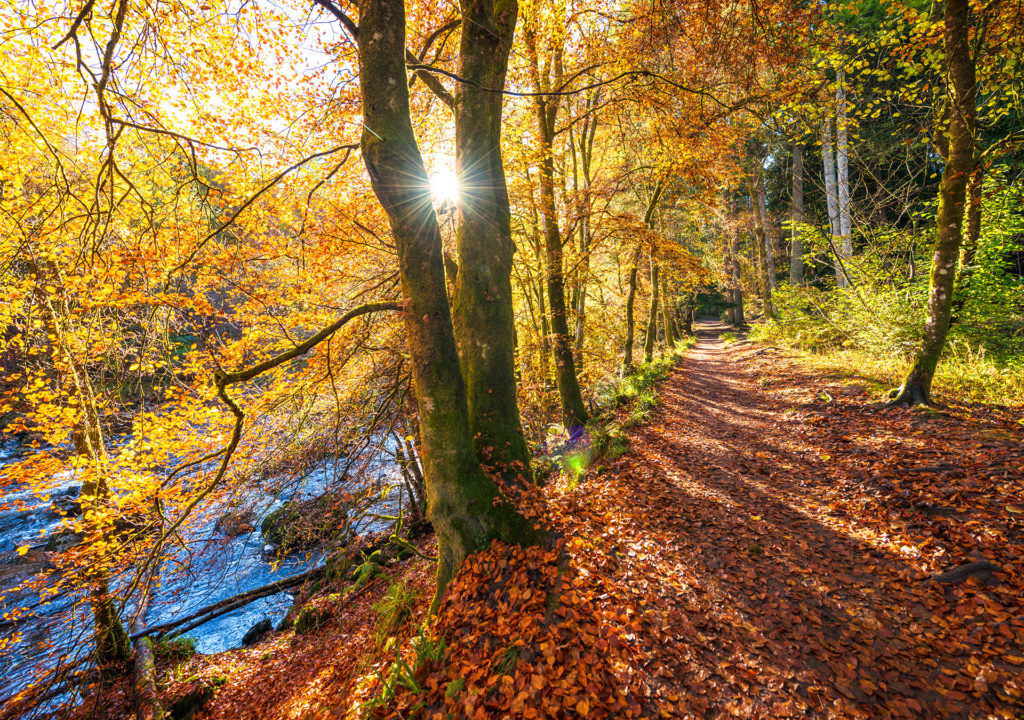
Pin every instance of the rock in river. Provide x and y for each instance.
(257, 632)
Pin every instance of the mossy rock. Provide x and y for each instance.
(311, 617)
(364, 574)
(307, 524)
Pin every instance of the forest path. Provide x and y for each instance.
(767, 548)
(786, 532)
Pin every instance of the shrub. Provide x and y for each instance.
(175, 649)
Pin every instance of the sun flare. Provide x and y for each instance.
(444, 187)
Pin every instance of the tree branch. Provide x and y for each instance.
(224, 379)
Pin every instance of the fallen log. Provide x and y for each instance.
(214, 610)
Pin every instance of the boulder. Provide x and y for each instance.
(257, 632)
(234, 523)
(307, 524)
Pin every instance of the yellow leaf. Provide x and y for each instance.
(23, 549)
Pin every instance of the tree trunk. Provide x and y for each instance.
(666, 314)
(960, 72)
(482, 305)
(463, 504)
(688, 318)
(843, 176)
(760, 241)
(627, 351)
(971, 236)
(147, 696)
(831, 199)
(113, 649)
(796, 253)
(545, 338)
(737, 278)
(574, 413)
(652, 316)
(767, 228)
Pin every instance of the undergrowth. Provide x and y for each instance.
(605, 438)
(394, 610)
(871, 334)
(424, 651)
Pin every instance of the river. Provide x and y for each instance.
(210, 568)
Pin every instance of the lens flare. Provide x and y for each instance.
(444, 187)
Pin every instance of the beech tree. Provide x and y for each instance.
(961, 89)
(463, 503)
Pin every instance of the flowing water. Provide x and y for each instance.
(211, 567)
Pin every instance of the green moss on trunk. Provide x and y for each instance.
(960, 163)
(482, 303)
(463, 504)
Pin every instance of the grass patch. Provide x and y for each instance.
(423, 652)
(177, 649)
(394, 610)
(876, 329)
(964, 374)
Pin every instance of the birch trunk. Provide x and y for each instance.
(831, 197)
(796, 246)
(843, 176)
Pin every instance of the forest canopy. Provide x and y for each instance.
(316, 274)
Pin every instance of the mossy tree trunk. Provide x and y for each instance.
(463, 503)
(574, 413)
(482, 303)
(971, 236)
(960, 163)
(627, 347)
(652, 315)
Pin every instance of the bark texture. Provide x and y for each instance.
(482, 303)
(960, 71)
(796, 244)
(463, 504)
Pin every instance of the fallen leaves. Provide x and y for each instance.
(758, 554)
